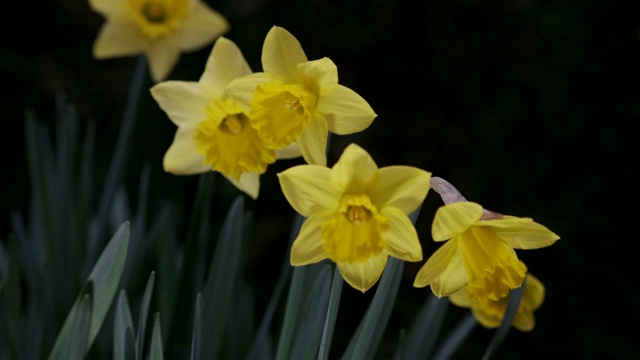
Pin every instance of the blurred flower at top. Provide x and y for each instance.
(214, 133)
(356, 214)
(161, 29)
(489, 313)
(296, 100)
(480, 254)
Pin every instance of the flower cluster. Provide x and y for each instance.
(237, 122)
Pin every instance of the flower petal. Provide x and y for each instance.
(307, 247)
(163, 55)
(182, 158)
(444, 271)
(313, 141)
(345, 110)
(321, 76)
(225, 63)
(201, 27)
(460, 298)
(281, 54)
(110, 8)
(308, 189)
(242, 89)
(521, 233)
(355, 171)
(289, 152)
(249, 183)
(363, 275)
(534, 292)
(117, 39)
(454, 218)
(401, 238)
(488, 319)
(403, 187)
(184, 101)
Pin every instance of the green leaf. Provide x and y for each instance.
(123, 338)
(196, 343)
(225, 266)
(156, 352)
(421, 337)
(103, 281)
(332, 314)
(144, 311)
(457, 336)
(72, 339)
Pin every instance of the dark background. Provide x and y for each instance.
(526, 106)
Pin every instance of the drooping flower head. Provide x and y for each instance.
(214, 133)
(356, 214)
(160, 29)
(489, 313)
(296, 100)
(479, 255)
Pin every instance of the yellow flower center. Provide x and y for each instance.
(492, 266)
(158, 18)
(281, 111)
(355, 231)
(229, 143)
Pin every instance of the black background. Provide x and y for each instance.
(526, 106)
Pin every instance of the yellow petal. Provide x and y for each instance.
(401, 238)
(454, 218)
(307, 247)
(444, 271)
(345, 110)
(225, 63)
(201, 27)
(524, 321)
(489, 320)
(313, 141)
(521, 233)
(184, 101)
(289, 152)
(112, 8)
(403, 187)
(163, 55)
(460, 298)
(362, 276)
(308, 189)
(182, 158)
(452, 279)
(281, 54)
(320, 76)
(355, 171)
(249, 183)
(534, 292)
(117, 39)
(242, 89)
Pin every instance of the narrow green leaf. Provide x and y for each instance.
(314, 311)
(224, 269)
(72, 339)
(123, 330)
(196, 342)
(457, 336)
(10, 301)
(423, 333)
(103, 281)
(332, 314)
(512, 308)
(156, 352)
(144, 311)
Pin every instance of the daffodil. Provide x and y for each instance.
(214, 133)
(489, 313)
(160, 29)
(479, 255)
(356, 214)
(297, 100)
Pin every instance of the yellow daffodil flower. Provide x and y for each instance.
(160, 29)
(356, 214)
(214, 133)
(480, 254)
(296, 100)
(489, 313)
